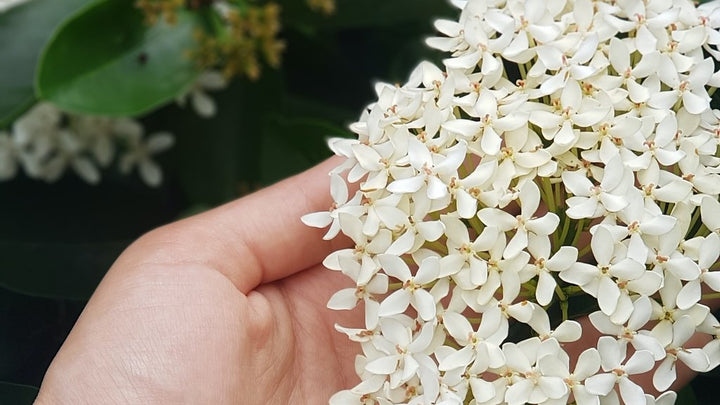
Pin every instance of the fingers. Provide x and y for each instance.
(253, 240)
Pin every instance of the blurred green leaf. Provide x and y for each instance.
(105, 60)
(62, 270)
(25, 29)
(17, 394)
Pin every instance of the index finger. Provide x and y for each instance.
(253, 240)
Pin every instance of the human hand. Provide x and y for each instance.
(223, 307)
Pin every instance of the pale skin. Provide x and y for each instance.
(226, 307)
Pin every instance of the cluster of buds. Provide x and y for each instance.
(240, 33)
(252, 33)
(242, 36)
(566, 149)
(156, 10)
(324, 6)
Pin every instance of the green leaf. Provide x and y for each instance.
(17, 394)
(26, 29)
(105, 60)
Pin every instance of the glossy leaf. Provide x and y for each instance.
(24, 31)
(106, 60)
(17, 394)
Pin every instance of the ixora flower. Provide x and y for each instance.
(565, 149)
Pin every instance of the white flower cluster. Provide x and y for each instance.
(568, 148)
(46, 142)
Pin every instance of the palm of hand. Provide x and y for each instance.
(220, 308)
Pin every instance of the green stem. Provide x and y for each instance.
(695, 223)
(559, 198)
(523, 70)
(564, 232)
(564, 310)
(572, 290)
(437, 246)
(549, 194)
(563, 302)
(476, 224)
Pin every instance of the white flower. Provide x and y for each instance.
(532, 385)
(691, 292)
(612, 271)
(98, 134)
(631, 332)
(667, 398)
(140, 151)
(463, 261)
(695, 358)
(433, 169)
(612, 355)
(527, 226)
(690, 89)
(568, 71)
(35, 136)
(69, 152)
(666, 311)
(543, 266)
(588, 363)
(566, 331)
(480, 347)
(403, 351)
(591, 201)
(202, 103)
(339, 192)
(412, 291)
(619, 56)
